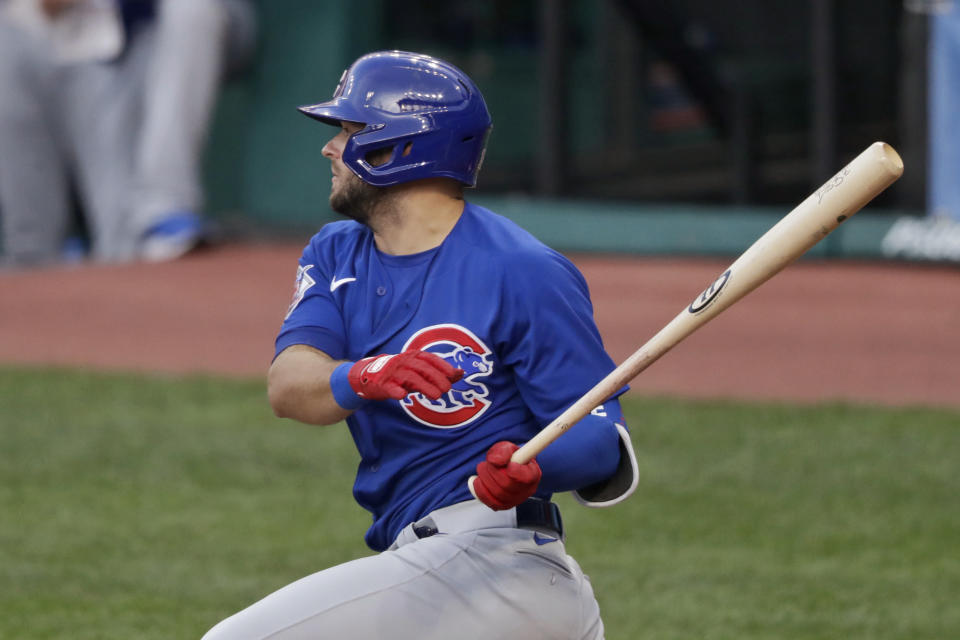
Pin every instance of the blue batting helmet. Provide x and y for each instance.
(427, 110)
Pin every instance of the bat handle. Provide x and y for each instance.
(523, 455)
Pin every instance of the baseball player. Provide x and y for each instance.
(445, 335)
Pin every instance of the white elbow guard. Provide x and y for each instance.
(620, 485)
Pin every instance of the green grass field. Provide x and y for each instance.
(149, 507)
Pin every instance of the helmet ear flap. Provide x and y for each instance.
(376, 165)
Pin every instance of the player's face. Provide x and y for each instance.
(349, 195)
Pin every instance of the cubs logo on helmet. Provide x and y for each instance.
(468, 397)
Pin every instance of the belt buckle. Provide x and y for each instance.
(425, 528)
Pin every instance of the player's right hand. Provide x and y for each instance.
(501, 483)
(395, 376)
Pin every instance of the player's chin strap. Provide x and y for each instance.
(620, 485)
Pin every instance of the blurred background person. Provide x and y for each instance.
(106, 104)
(197, 42)
(943, 187)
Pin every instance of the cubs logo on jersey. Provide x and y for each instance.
(468, 397)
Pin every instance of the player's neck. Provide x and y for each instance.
(419, 220)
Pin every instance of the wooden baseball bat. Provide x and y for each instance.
(875, 169)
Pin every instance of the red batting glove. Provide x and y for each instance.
(394, 376)
(501, 484)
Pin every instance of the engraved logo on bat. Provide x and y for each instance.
(710, 293)
(836, 181)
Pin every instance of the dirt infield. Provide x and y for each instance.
(876, 333)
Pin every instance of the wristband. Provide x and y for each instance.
(343, 393)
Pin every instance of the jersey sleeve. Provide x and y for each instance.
(554, 347)
(314, 317)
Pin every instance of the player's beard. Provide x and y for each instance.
(356, 199)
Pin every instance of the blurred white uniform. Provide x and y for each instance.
(120, 116)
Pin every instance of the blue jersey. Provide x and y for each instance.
(492, 300)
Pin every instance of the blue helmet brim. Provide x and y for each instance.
(333, 112)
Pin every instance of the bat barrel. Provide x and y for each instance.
(840, 197)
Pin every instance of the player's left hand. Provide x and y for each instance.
(394, 376)
(501, 484)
